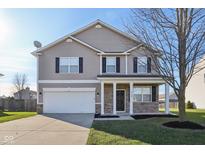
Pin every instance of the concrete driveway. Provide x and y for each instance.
(47, 129)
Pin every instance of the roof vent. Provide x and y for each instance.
(142, 48)
(69, 40)
(98, 26)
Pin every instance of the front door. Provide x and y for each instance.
(120, 100)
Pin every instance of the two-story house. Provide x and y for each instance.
(25, 94)
(195, 91)
(97, 69)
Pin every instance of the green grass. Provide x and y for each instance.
(147, 131)
(8, 116)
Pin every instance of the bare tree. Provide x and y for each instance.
(19, 82)
(179, 36)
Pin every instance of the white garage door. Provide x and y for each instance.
(69, 101)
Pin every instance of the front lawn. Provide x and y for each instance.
(8, 116)
(147, 131)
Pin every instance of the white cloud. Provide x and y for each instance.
(13, 61)
(6, 89)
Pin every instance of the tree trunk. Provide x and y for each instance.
(182, 113)
(182, 59)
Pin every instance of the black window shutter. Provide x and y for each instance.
(154, 93)
(57, 64)
(149, 65)
(135, 64)
(80, 64)
(118, 64)
(104, 64)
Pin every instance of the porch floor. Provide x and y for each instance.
(126, 116)
(121, 117)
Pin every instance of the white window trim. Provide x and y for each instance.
(142, 101)
(138, 65)
(111, 65)
(69, 66)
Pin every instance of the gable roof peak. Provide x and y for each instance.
(98, 21)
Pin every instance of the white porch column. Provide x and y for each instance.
(102, 97)
(114, 97)
(166, 98)
(131, 97)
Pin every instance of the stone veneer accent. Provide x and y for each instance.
(140, 107)
(39, 108)
(108, 95)
(97, 108)
(108, 106)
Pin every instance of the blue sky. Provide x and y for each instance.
(20, 27)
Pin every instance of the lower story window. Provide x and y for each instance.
(142, 94)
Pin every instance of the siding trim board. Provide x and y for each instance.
(68, 81)
(131, 75)
(67, 89)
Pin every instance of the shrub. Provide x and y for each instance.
(190, 105)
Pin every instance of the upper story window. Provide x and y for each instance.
(111, 64)
(69, 65)
(142, 64)
(142, 94)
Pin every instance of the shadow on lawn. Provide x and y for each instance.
(2, 114)
(198, 116)
(151, 131)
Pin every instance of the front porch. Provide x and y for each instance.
(118, 97)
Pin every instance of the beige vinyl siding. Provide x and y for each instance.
(105, 39)
(91, 62)
(138, 53)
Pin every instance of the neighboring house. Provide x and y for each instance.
(195, 91)
(25, 94)
(97, 69)
(173, 100)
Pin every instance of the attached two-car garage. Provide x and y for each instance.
(69, 100)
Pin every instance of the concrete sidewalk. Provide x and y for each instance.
(47, 129)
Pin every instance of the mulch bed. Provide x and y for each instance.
(183, 125)
(106, 116)
(136, 117)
